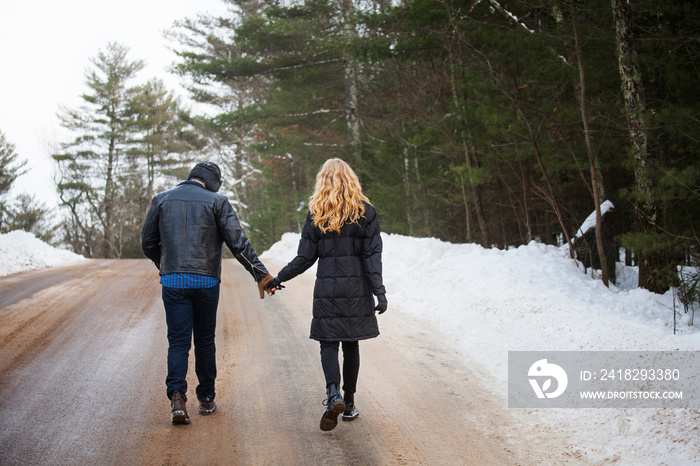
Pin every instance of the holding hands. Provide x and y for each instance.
(269, 284)
(274, 285)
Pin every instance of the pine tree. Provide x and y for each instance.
(162, 133)
(484, 121)
(10, 169)
(285, 70)
(28, 214)
(90, 164)
(127, 136)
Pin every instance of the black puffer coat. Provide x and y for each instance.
(349, 273)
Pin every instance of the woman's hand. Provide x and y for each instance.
(381, 304)
(274, 285)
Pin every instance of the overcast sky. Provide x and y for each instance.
(45, 48)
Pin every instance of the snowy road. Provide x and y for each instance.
(82, 367)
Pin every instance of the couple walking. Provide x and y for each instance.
(183, 235)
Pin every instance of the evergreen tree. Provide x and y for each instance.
(286, 114)
(10, 169)
(469, 121)
(162, 133)
(205, 46)
(90, 165)
(27, 214)
(126, 137)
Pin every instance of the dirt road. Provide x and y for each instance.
(82, 381)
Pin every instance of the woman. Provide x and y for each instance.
(342, 232)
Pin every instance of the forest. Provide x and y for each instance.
(484, 121)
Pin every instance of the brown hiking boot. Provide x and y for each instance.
(179, 412)
(207, 407)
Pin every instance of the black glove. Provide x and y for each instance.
(274, 284)
(381, 304)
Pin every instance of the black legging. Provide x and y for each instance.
(351, 364)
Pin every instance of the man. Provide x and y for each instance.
(183, 235)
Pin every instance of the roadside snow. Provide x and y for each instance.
(20, 251)
(488, 302)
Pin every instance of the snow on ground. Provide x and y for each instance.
(534, 298)
(20, 251)
(488, 302)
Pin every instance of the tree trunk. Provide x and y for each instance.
(409, 192)
(150, 173)
(596, 176)
(635, 104)
(526, 208)
(476, 194)
(547, 194)
(471, 163)
(467, 213)
(351, 99)
(108, 203)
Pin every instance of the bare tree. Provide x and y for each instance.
(594, 163)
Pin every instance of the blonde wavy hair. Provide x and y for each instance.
(337, 197)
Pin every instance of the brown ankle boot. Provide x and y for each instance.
(179, 411)
(207, 407)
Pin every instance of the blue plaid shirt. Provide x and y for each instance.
(188, 280)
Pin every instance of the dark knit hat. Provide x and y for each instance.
(209, 173)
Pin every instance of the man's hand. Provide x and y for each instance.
(262, 285)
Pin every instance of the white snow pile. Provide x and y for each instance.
(20, 251)
(535, 298)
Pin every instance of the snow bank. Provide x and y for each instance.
(285, 250)
(488, 302)
(20, 251)
(531, 298)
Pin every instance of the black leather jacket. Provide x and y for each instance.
(185, 229)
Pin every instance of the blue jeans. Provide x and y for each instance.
(188, 311)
